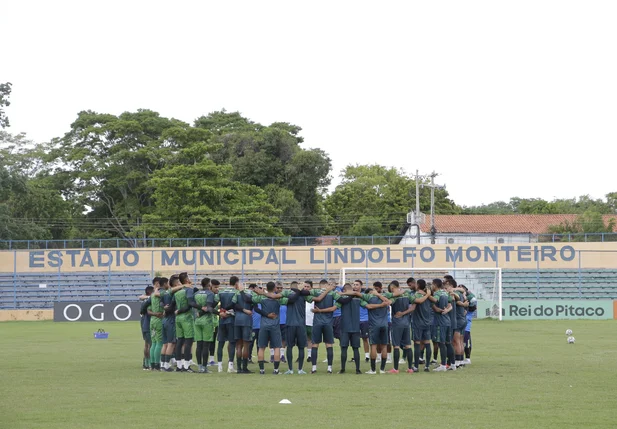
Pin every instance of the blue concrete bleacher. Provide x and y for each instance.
(23, 291)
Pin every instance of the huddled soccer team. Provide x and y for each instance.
(420, 322)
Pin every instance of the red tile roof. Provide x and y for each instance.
(502, 224)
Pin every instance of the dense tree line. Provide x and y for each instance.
(143, 175)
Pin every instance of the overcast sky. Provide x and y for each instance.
(503, 98)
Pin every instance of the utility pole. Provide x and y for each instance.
(433, 186)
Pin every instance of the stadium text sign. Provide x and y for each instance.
(308, 258)
(548, 309)
(96, 311)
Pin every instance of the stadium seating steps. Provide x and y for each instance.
(24, 290)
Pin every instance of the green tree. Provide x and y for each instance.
(590, 222)
(5, 92)
(271, 155)
(376, 199)
(201, 200)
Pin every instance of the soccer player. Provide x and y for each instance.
(156, 327)
(283, 322)
(243, 325)
(364, 324)
(169, 287)
(145, 324)
(185, 327)
(296, 325)
(402, 306)
(270, 330)
(205, 322)
(324, 300)
(226, 324)
(442, 332)
(377, 305)
(422, 321)
(256, 324)
(350, 327)
(461, 322)
(471, 312)
(215, 285)
(336, 316)
(309, 305)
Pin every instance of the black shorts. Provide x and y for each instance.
(284, 332)
(443, 334)
(243, 333)
(226, 333)
(378, 335)
(325, 332)
(352, 338)
(147, 337)
(422, 334)
(467, 339)
(364, 329)
(296, 336)
(269, 335)
(169, 330)
(401, 336)
(336, 326)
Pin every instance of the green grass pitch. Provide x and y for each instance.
(524, 375)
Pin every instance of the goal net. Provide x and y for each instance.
(485, 283)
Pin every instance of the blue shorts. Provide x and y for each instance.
(271, 335)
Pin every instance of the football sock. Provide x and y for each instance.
(356, 358)
(276, 365)
(314, 356)
(261, 364)
(468, 352)
(450, 351)
(442, 352)
(427, 349)
(179, 349)
(383, 363)
(300, 358)
(290, 358)
(232, 352)
(343, 357)
(219, 352)
(330, 355)
(199, 351)
(373, 364)
(397, 357)
(245, 364)
(436, 351)
(188, 349)
(410, 358)
(416, 349)
(206, 353)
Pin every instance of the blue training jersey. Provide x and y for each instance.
(337, 312)
(256, 318)
(469, 318)
(283, 314)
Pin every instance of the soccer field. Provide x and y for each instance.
(524, 374)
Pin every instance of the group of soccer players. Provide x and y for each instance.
(411, 320)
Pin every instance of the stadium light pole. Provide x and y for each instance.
(433, 186)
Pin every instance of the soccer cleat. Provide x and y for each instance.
(201, 369)
(324, 361)
(172, 361)
(390, 361)
(240, 371)
(366, 360)
(434, 362)
(381, 371)
(191, 362)
(421, 361)
(178, 369)
(440, 368)
(393, 371)
(314, 371)
(358, 371)
(211, 363)
(342, 371)
(301, 372)
(371, 372)
(247, 371)
(168, 369)
(401, 360)
(231, 370)
(283, 359)
(146, 368)
(467, 361)
(308, 359)
(275, 372)
(262, 372)
(329, 371)
(220, 368)
(288, 372)
(427, 369)
(415, 369)
(410, 371)
(451, 367)
(189, 369)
